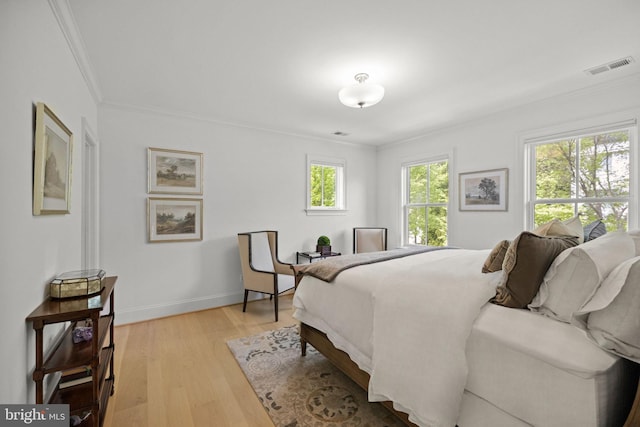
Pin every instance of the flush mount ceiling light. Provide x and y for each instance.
(361, 94)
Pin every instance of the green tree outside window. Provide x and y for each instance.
(426, 205)
(584, 175)
(323, 186)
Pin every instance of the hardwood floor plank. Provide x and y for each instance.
(179, 371)
(157, 394)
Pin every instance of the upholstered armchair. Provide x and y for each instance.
(262, 271)
(369, 239)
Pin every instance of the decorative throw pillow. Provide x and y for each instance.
(525, 263)
(575, 226)
(612, 317)
(495, 258)
(576, 273)
(594, 230)
(555, 227)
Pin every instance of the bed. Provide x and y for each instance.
(433, 337)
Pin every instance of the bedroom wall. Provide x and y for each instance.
(37, 66)
(253, 180)
(492, 143)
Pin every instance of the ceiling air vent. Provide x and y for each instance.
(621, 63)
(610, 66)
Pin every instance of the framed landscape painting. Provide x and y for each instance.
(51, 164)
(484, 190)
(174, 220)
(174, 171)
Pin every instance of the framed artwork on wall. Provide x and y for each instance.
(484, 190)
(51, 164)
(174, 171)
(174, 219)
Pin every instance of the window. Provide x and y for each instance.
(426, 198)
(325, 189)
(587, 173)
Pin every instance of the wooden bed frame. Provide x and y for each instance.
(341, 360)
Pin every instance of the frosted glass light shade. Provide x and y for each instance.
(362, 94)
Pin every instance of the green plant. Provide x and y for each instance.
(324, 241)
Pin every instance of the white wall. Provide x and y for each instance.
(36, 65)
(253, 180)
(492, 143)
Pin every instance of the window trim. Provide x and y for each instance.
(341, 185)
(404, 180)
(581, 129)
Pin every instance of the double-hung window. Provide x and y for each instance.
(587, 173)
(325, 185)
(425, 202)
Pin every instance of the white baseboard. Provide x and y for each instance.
(142, 313)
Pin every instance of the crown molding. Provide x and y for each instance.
(64, 15)
(478, 118)
(182, 115)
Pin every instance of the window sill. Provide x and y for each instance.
(319, 212)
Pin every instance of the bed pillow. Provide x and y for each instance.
(575, 226)
(555, 227)
(496, 257)
(612, 317)
(525, 263)
(594, 230)
(635, 235)
(577, 272)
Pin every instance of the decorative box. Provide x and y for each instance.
(76, 284)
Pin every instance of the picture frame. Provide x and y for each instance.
(52, 161)
(484, 190)
(174, 219)
(174, 171)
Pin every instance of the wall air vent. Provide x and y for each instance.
(610, 66)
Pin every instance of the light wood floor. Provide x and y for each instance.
(178, 372)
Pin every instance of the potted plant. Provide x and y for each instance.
(324, 245)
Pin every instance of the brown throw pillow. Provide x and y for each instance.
(525, 263)
(495, 258)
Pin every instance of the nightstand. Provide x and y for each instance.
(311, 256)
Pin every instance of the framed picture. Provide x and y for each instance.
(174, 220)
(51, 164)
(484, 190)
(174, 172)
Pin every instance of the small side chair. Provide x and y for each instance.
(369, 239)
(262, 271)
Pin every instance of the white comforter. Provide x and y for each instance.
(423, 308)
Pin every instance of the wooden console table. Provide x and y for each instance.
(88, 399)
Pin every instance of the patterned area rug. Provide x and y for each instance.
(303, 391)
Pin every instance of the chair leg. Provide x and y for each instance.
(246, 295)
(275, 302)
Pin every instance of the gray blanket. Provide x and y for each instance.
(329, 268)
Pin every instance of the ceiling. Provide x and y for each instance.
(279, 64)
